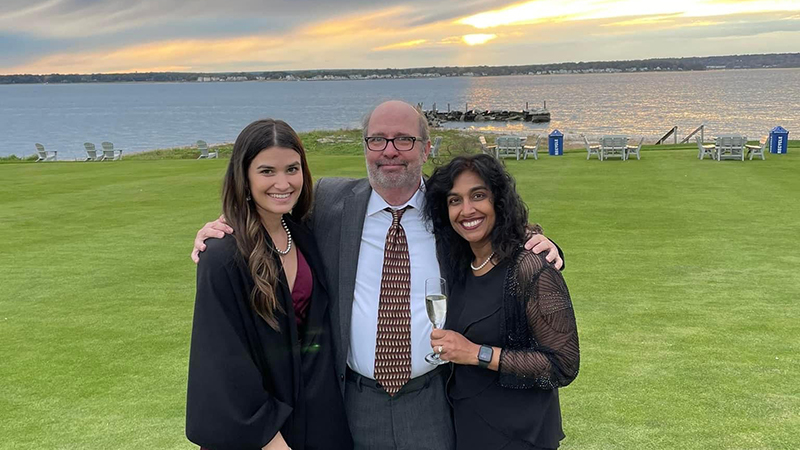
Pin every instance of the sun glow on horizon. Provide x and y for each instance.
(401, 45)
(478, 39)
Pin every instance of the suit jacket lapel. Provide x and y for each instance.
(354, 213)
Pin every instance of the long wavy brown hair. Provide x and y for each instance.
(251, 237)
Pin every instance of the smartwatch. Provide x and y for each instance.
(485, 356)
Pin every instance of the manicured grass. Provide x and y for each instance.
(685, 276)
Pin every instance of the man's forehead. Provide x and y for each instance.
(396, 121)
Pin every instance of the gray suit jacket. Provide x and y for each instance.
(340, 206)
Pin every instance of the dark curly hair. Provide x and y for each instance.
(511, 213)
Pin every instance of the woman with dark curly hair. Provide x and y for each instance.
(510, 329)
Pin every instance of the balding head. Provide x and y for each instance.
(399, 107)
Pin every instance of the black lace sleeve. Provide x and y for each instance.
(550, 355)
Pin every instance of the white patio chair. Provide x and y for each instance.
(204, 153)
(613, 146)
(705, 149)
(758, 150)
(435, 147)
(508, 146)
(591, 149)
(633, 149)
(91, 152)
(723, 146)
(534, 150)
(486, 148)
(44, 155)
(109, 153)
(737, 147)
(731, 147)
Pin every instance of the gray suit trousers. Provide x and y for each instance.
(417, 418)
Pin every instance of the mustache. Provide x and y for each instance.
(384, 162)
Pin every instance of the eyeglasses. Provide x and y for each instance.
(401, 143)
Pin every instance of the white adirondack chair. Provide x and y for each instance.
(634, 149)
(534, 150)
(486, 148)
(91, 152)
(204, 153)
(705, 149)
(109, 153)
(44, 155)
(591, 149)
(758, 150)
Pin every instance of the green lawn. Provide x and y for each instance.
(685, 276)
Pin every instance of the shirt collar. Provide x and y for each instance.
(377, 203)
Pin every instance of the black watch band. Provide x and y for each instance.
(485, 356)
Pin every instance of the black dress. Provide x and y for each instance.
(248, 381)
(516, 407)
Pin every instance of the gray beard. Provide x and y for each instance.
(408, 178)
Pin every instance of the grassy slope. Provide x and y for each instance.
(684, 275)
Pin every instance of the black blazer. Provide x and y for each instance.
(248, 381)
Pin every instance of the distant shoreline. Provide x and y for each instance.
(689, 64)
(391, 78)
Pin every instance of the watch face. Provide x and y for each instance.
(485, 354)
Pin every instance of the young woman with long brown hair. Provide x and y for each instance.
(261, 365)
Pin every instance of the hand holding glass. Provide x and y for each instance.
(436, 306)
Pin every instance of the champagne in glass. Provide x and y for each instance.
(436, 306)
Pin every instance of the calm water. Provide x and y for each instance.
(138, 117)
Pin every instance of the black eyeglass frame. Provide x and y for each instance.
(386, 141)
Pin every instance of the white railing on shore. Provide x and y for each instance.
(701, 129)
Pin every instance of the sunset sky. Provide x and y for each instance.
(88, 36)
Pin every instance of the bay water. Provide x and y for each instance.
(143, 116)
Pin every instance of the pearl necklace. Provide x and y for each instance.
(482, 265)
(289, 237)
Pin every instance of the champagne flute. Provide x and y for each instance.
(436, 306)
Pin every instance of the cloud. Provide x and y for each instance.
(188, 55)
(538, 11)
(400, 45)
(46, 36)
(64, 19)
(81, 18)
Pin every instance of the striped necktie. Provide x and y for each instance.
(393, 346)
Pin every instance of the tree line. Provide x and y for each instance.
(776, 60)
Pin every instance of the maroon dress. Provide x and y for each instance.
(301, 292)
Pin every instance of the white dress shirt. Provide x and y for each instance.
(422, 254)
